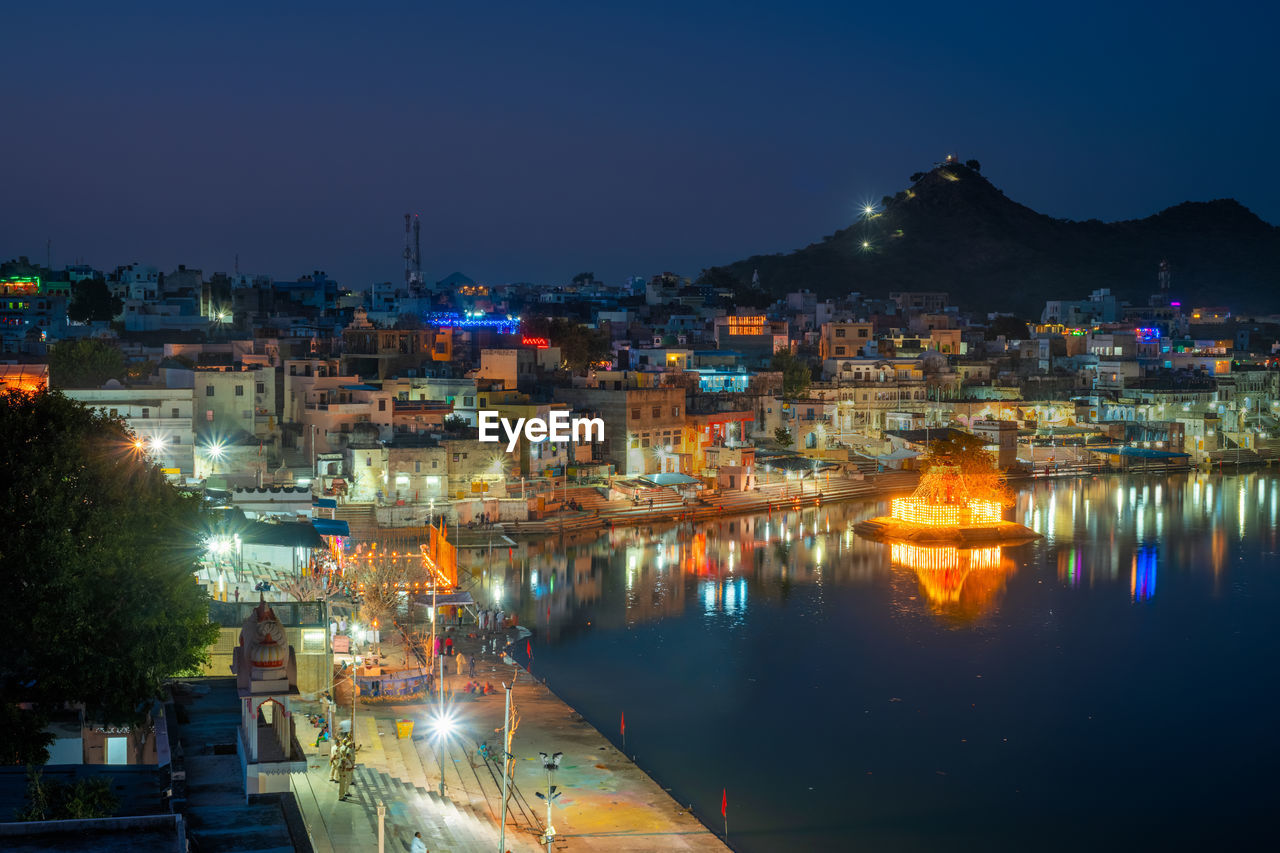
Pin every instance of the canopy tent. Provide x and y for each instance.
(331, 527)
(1138, 452)
(668, 479)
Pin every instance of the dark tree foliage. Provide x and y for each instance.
(96, 566)
(796, 374)
(84, 799)
(84, 363)
(91, 299)
(579, 345)
(782, 435)
(1011, 327)
(974, 165)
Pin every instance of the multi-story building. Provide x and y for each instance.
(643, 427)
(160, 417)
(844, 340)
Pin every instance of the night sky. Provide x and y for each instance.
(542, 139)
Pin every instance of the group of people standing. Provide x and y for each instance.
(491, 620)
(342, 763)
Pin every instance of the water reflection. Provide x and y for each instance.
(1112, 533)
(960, 584)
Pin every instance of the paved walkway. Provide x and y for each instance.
(606, 803)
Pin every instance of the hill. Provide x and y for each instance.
(954, 231)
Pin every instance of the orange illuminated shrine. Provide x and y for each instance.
(946, 507)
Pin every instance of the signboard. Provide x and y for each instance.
(540, 343)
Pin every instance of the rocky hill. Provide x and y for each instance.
(956, 232)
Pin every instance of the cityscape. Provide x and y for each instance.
(576, 532)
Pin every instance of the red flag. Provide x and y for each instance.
(624, 722)
(528, 649)
(724, 802)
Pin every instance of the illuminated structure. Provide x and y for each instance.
(949, 506)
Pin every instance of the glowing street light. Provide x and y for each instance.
(215, 449)
(869, 210)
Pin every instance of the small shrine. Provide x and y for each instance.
(267, 682)
(952, 503)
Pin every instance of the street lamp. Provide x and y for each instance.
(551, 763)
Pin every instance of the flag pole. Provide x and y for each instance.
(724, 812)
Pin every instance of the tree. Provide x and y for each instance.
(84, 363)
(1011, 327)
(580, 346)
(97, 567)
(974, 165)
(91, 299)
(796, 375)
(457, 425)
(976, 466)
(782, 435)
(85, 799)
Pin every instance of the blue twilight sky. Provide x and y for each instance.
(542, 139)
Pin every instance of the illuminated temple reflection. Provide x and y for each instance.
(965, 583)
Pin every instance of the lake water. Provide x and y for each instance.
(1111, 685)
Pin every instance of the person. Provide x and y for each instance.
(471, 666)
(439, 645)
(448, 647)
(346, 771)
(418, 846)
(335, 757)
(462, 662)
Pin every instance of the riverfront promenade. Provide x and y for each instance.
(607, 803)
(665, 505)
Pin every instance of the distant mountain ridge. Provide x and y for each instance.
(954, 231)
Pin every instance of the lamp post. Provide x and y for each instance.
(551, 763)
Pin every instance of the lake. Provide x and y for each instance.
(1110, 685)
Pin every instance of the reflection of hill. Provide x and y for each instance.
(962, 584)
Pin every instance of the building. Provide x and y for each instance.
(844, 340)
(160, 417)
(643, 427)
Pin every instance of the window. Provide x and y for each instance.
(368, 461)
(644, 442)
(839, 333)
(675, 411)
(434, 463)
(635, 414)
(862, 333)
(293, 370)
(177, 439)
(260, 388)
(382, 405)
(839, 350)
(174, 414)
(468, 401)
(146, 413)
(239, 390)
(417, 467)
(657, 411)
(208, 390)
